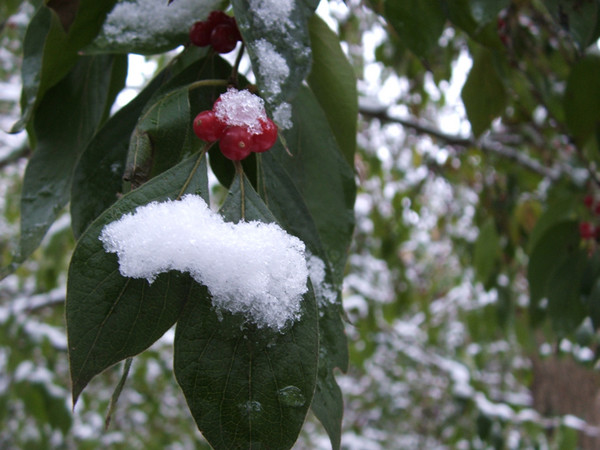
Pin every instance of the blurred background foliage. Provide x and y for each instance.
(472, 301)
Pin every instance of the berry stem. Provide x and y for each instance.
(204, 83)
(240, 171)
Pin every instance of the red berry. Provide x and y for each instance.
(236, 143)
(208, 127)
(200, 33)
(224, 38)
(587, 230)
(218, 17)
(265, 140)
(588, 201)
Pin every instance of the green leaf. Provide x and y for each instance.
(552, 249)
(246, 387)
(322, 176)
(477, 18)
(565, 306)
(582, 98)
(333, 82)
(580, 18)
(487, 251)
(483, 94)
(49, 52)
(289, 208)
(109, 317)
(69, 115)
(279, 76)
(98, 175)
(124, 31)
(419, 23)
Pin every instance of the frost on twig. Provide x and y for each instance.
(252, 268)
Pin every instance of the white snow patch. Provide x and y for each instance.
(274, 14)
(251, 268)
(282, 115)
(272, 67)
(241, 108)
(324, 292)
(148, 20)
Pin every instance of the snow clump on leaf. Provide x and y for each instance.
(252, 268)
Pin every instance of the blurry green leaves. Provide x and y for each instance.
(483, 94)
(580, 18)
(582, 98)
(487, 252)
(66, 119)
(419, 23)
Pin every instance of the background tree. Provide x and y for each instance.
(470, 290)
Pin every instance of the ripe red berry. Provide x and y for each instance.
(236, 143)
(208, 127)
(224, 38)
(587, 230)
(200, 33)
(588, 201)
(265, 140)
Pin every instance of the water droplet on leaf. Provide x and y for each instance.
(291, 396)
(251, 408)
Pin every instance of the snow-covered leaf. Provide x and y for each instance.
(276, 34)
(246, 387)
(67, 118)
(110, 317)
(150, 26)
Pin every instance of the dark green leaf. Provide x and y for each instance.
(487, 251)
(246, 387)
(552, 249)
(477, 18)
(109, 317)
(579, 18)
(322, 176)
(67, 118)
(289, 208)
(49, 52)
(565, 306)
(419, 23)
(483, 94)
(287, 39)
(582, 98)
(333, 82)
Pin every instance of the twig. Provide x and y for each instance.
(485, 145)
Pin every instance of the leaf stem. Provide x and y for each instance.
(193, 171)
(118, 389)
(205, 83)
(240, 171)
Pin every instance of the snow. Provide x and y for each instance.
(274, 14)
(241, 108)
(282, 115)
(252, 268)
(324, 291)
(151, 20)
(272, 67)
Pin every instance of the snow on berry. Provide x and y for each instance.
(241, 108)
(251, 268)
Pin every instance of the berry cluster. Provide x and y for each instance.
(219, 30)
(587, 230)
(237, 139)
